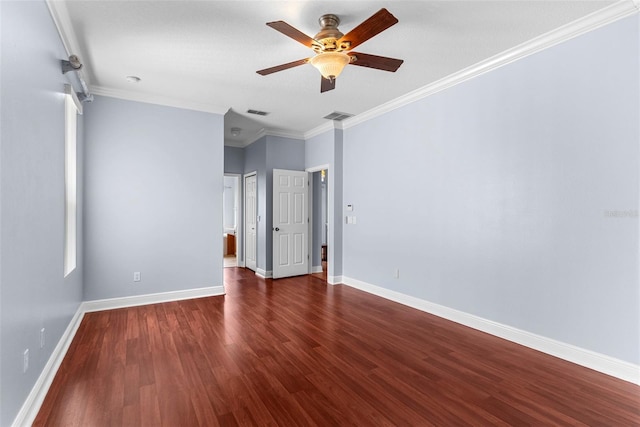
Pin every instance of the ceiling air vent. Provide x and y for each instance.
(257, 112)
(338, 116)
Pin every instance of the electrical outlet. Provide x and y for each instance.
(136, 276)
(42, 338)
(25, 361)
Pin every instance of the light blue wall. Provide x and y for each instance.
(491, 197)
(154, 186)
(233, 160)
(336, 187)
(33, 292)
(319, 150)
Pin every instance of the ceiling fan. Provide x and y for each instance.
(333, 49)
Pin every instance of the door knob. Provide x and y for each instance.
(276, 229)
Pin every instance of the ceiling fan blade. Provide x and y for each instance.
(282, 67)
(327, 85)
(289, 31)
(373, 61)
(377, 23)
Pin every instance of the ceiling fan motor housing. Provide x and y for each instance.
(328, 36)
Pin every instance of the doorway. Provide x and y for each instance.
(230, 219)
(320, 223)
(250, 216)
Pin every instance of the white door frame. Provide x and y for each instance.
(239, 215)
(330, 243)
(244, 219)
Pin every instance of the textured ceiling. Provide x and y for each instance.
(204, 54)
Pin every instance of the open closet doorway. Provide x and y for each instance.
(230, 219)
(320, 223)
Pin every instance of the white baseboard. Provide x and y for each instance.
(602, 363)
(34, 400)
(316, 269)
(241, 263)
(264, 274)
(132, 301)
(334, 280)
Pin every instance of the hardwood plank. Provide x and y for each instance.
(297, 351)
(149, 409)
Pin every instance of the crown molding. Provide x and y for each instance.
(62, 21)
(602, 17)
(282, 133)
(325, 127)
(332, 125)
(236, 144)
(262, 132)
(158, 100)
(267, 132)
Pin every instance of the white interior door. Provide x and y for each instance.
(290, 223)
(250, 197)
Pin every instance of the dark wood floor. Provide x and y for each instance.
(300, 352)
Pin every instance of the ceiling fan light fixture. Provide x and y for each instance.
(330, 64)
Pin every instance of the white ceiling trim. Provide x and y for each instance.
(268, 132)
(284, 133)
(158, 100)
(262, 132)
(580, 26)
(320, 129)
(326, 127)
(235, 144)
(60, 16)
